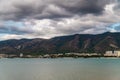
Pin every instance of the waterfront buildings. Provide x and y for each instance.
(113, 53)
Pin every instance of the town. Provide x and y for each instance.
(60, 55)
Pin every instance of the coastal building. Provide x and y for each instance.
(46, 56)
(12, 56)
(21, 54)
(3, 55)
(118, 53)
(113, 53)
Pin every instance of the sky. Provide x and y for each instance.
(50, 18)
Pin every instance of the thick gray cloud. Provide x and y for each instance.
(39, 9)
(85, 6)
(49, 18)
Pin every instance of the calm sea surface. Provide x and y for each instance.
(60, 69)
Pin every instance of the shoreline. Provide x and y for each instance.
(68, 55)
(59, 57)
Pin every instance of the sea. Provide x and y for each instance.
(60, 69)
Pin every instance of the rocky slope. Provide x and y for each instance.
(72, 43)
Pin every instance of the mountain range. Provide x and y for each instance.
(82, 43)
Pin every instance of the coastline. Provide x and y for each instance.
(67, 55)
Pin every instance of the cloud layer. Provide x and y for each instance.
(49, 18)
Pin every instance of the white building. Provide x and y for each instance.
(21, 54)
(112, 53)
(117, 53)
(3, 55)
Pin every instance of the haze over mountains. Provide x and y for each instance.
(72, 43)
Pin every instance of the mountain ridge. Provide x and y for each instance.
(81, 43)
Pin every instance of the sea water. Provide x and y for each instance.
(60, 69)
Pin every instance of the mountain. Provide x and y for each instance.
(63, 44)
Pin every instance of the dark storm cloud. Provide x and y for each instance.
(32, 10)
(38, 9)
(86, 6)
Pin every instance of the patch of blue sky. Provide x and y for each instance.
(2, 34)
(14, 23)
(114, 27)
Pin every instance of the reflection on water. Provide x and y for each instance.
(60, 69)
